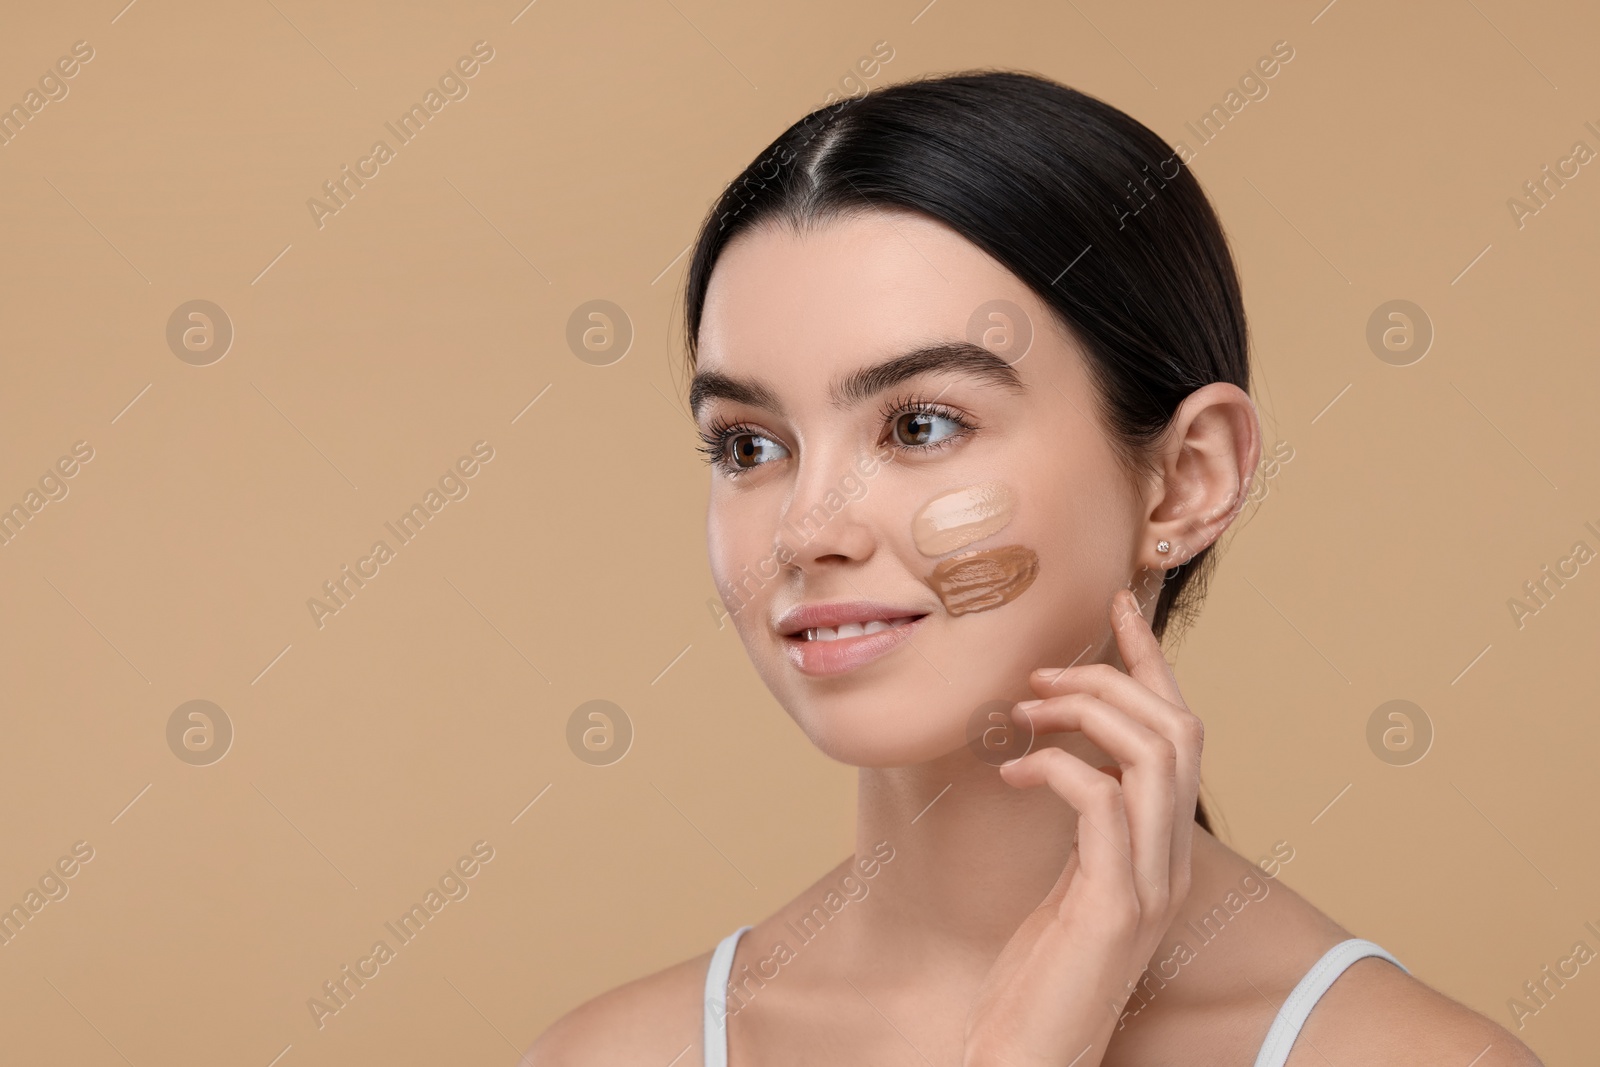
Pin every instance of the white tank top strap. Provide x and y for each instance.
(1274, 1051)
(1292, 1016)
(715, 1042)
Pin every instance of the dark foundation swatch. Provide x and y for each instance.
(988, 578)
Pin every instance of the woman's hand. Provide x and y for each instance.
(1055, 994)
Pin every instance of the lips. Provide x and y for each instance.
(829, 639)
(852, 629)
(840, 613)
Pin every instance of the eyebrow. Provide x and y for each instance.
(960, 357)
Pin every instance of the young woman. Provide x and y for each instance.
(970, 365)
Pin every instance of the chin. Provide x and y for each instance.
(882, 736)
(894, 713)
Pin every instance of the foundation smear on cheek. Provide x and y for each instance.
(982, 579)
(956, 519)
(988, 578)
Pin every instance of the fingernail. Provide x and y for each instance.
(1026, 704)
(1009, 762)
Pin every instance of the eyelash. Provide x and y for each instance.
(714, 440)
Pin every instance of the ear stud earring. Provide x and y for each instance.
(1162, 546)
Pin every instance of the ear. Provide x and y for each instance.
(1206, 461)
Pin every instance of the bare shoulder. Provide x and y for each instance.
(659, 1020)
(652, 1020)
(1375, 1013)
(1253, 939)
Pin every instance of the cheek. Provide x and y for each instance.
(727, 549)
(983, 580)
(1041, 598)
(1082, 563)
(738, 535)
(993, 648)
(746, 559)
(961, 517)
(977, 579)
(719, 544)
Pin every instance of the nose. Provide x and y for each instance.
(826, 519)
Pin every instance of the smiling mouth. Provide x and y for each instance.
(853, 629)
(835, 651)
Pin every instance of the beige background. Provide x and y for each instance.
(425, 716)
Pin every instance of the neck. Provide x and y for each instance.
(972, 855)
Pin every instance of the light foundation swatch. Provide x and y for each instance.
(958, 518)
(984, 578)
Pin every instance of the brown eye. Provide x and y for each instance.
(921, 428)
(751, 450)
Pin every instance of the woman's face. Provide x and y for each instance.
(832, 447)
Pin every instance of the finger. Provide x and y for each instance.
(1177, 724)
(1136, 641)
(1103, 844)
(1171, 720)
(1113, 686)
(1153, 706)
(1140, 651)
(1149, 776)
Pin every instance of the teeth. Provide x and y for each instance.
(853, 629)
